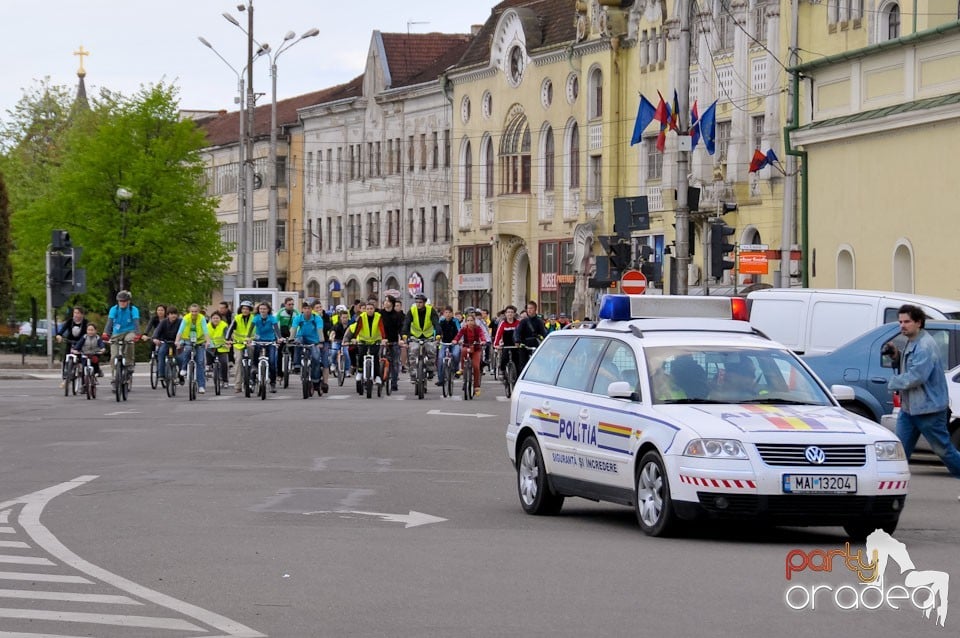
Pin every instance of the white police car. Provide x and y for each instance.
(689, 417)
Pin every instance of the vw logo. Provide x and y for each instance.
(814, 455)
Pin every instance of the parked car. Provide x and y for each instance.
(860, 365)
(42, 328)
(815, 321)
(889, 421)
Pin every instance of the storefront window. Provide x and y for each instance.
(556, 278)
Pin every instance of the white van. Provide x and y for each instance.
(814, 321)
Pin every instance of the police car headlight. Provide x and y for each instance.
(715, 449)
(889, 451)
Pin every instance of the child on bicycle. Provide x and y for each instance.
(473, 338)
(91, 346)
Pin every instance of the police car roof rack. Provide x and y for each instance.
(627, 307)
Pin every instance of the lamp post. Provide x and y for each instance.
(123, 203)
(288, 41)
(242, 280)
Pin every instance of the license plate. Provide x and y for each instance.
(819, 484)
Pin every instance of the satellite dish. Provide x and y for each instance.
(257, 181)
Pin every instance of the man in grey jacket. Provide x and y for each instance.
(924, 401)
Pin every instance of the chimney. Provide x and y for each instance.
(475, 29)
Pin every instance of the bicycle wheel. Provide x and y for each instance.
(217, 380)
(385, 372)
(368, 387)
(153, 371)
(117, 378)
(421, 377)
(448, 378)
(192, 379)
(88, 385)
(286, 368)
(263, 375)
(468, 380)
(341, 371)
(67, 378)
(305, 382)
(510, 378)
(246, 380)
(77, 380)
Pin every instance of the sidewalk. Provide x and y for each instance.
(14, 366)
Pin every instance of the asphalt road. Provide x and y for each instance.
(343, 516)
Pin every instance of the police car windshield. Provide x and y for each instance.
(729, 374)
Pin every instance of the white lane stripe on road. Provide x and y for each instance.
(45, 578)
(30, 521)
(148, 622)
(7, 530)
(32, 594)
(24, 560)
(17, 634)
(14, 545)
(5, 517)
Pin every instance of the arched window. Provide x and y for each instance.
(596, 94)
(441, 290)
(845, 269)
(515, 156)
(313, 289)
(903, 268)
(352, 292)
(488, 167)
(574, 162)
(891, 19)
(548, 160)
(467, 172)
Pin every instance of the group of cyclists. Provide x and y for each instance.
(450, 340)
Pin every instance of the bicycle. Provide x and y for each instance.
(89, 377)
(306, 363)
(193, 383)
(510, 370)
(262, 375)
(447, 369)
(286, 364)
(420, 368)
(154, 365)
(122, 375)
(219, 371)
(341, 370)
(468, 371)
(171, 367)
(367, 373)
(495, 363)
(385, 355)
(71, 374)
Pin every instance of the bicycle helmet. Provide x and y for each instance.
(123, 295)
(420, 297)
(246, 303)
(470, 310)
(341, 308)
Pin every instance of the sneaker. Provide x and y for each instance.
(100, 374)
(238, 390)
(476, 392)
(378, 381)
(182, 380)
(359, 377)
(459, 373)
(273, 388)
(201, 390)
(394, 388)
(63, 383)
(438, 383)
(325, 387)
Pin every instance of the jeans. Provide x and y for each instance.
(272, 355)
(316, 359)
(216, 358)
(933, 427)
(393, 354)
(455, 350)
(162, 351)
(372, 348)
(201, 362)
(338, 346)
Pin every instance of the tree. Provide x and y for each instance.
(6, 269)
(165, 246)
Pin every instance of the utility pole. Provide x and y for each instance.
(683, 156)
(251, 103)
(790, 161)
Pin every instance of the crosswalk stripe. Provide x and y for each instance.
(18, 634)
(14, 545)
(30, 594)
(149, 622)
(45, 578)
(7, 530)
(24, 560)
(5, 517)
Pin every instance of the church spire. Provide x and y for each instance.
(81, 100)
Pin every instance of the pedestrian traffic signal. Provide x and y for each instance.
(720, 248)
(60, 240)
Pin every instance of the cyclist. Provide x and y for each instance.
(392, 325)
(91, 346)
(447, 329)
(239, 332)
(530, 332)
(506, 336)
(164, 336)
(325, 343)
(72, 330)
(307, 327)
(552, 324)
(193, 331)
(420, 324)
(218, 354)
(473, 337)
(267, 328)
(284, 320)
(123, 323)
(370, 335)
(340, 337)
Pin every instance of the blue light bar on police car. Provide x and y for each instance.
(626, 307)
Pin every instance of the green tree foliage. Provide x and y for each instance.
(6, 268)
(167, 241)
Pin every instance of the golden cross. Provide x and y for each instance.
(81, 53)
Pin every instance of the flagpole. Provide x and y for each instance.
(683, 156)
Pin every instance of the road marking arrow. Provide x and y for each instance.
(479, 415)
(121, 412)
(413, 519)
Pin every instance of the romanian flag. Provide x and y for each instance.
(662, 115)
(675, 116)
(760, 160)
(694, 126)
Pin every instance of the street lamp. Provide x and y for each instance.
(241, 198)
(288, 41)
(123, 203)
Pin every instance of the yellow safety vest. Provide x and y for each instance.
(365, 331)
(241, 333)
(197, 327)
(427, 330)
(218, 335)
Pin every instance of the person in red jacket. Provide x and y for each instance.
(507, 337)
(472, 337)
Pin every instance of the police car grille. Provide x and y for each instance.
(798, 509)
(836, 455)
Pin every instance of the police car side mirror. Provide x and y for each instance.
(842, 392)
(621, 390)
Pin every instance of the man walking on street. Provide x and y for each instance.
(925, 404)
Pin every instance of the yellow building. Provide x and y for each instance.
(880, 192)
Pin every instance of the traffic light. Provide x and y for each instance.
(720, 248)
(620, 256)
(728, 207)
(60, 240)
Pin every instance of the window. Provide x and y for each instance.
(546, 361)
(434, 223)
(436, 150)
(515, 156)
(410, 158)
(370, 166)
(410, 227)
(574, 156)
(329, 165)
(339, 164)
(309, 179)
(756, 124)
(760, 21)
(423, 151)
(596, 94)
(594, 177)
(467, 173)
(617, 364)
(281, 171)
(228, 236)
(260, 235)
(390, 235)
(727, 26)
(389, 157)
(548, 160)
(892, 19)
(281, 235)
(329, 234)
(446, 222)
(378, 165)
(723, 139)
(396, 220)
(577, 370)
(654, 158)
(446, 148)
(353, 165)
(488, 168)
(423, 225)
(371, 231)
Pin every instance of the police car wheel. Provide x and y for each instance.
(859, 529)
(536, 497)
(653, 505)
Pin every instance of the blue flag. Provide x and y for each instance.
(772, 157)
(708, 128)
(645, 115)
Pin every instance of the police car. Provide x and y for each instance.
(682, 415)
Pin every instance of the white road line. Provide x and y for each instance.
(149, 622)
(24, 560)
(30, 521)
(17, 634)
(44, 578)
(7, 530)
(14, 545)
(31, 594)
(5, 517)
